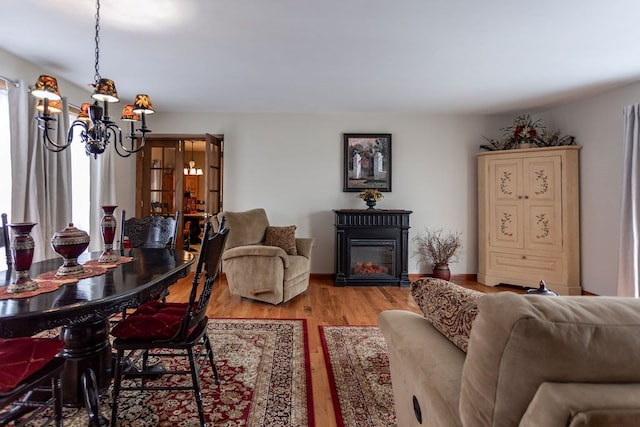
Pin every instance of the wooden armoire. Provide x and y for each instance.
(529, 218)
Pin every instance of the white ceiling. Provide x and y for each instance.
(434, 56)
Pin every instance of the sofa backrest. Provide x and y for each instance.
(520, 341)
(245, 228)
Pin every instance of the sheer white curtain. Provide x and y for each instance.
(5, 159)
(103, 192)
(629, 259)
(41, 179)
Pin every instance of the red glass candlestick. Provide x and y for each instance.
(22, 252)
(108, 225)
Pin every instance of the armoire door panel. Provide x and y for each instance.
(506, 226)
(542, 178)
(544, 231)
(506, 178)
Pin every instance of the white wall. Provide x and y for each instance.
(15, 68)
(434, 172)
(597, 124)
(291, 164)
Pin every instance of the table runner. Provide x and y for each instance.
(50, 281)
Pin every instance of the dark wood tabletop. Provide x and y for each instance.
(94, 298)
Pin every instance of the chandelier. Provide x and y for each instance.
(192, 170)
(93, 126)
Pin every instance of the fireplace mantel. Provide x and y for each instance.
(372, 247)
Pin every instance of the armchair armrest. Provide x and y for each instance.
(584, 404)
(257, 250)
(304, 246)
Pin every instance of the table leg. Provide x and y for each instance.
(86, 348)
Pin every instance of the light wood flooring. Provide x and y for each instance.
(322, 304)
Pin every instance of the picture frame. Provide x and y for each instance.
(367, 161)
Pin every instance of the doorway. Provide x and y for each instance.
(181, 173)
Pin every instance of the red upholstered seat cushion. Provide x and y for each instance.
(152, 320)
(155, 306)
(21, 357)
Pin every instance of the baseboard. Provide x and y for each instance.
(322, 276)
(454, 277)
(466, 276)
(412, 277)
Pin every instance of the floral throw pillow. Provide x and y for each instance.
(450, 307)
(282, 237)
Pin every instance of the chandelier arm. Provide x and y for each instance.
(113, 134)
(83, 132)
(49, 144)
(123, 151)
(133, 137)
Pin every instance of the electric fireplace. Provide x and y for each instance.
(372, 247)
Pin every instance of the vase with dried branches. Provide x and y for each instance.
(438, 249)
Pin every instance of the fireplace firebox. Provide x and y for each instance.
(372, 247)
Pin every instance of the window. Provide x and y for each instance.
(80, 173)
(5, 147)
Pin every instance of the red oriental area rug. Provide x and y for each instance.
(358, 368)
(265, 380)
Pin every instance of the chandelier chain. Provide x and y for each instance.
(97, 39)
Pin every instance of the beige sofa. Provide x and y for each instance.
(531, 361)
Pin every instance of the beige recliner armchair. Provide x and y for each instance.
(262, 262)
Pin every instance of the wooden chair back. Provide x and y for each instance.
(208, 263)
(150, 231)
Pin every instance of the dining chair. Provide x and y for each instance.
(4, 239)
(169, 330)
(30, 371)
(27, 365)
(154, 231)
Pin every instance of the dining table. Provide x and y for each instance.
(81, 313)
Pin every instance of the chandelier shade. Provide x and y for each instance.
(142, 104)
(105, 90)
(83, 116)
(93, 126)
(46, 87)
(128, 115)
